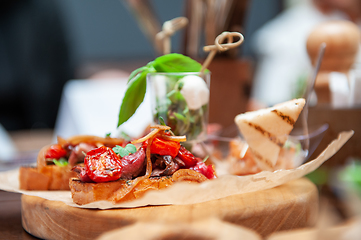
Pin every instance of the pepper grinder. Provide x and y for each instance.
(342, 40)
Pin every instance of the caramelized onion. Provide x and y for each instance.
(160, 127)
(61, 141)
(174, 138)
(122, 194)
(75, 140)
(146, 137)
(149, 161)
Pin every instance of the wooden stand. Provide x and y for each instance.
(231, 82)
(292, 205)
(341, 119)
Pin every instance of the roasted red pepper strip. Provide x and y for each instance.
(103, 165)
(163, 147)
(207, 171)
(187, 157)
(55, 152)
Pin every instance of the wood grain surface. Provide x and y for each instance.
(292, 205)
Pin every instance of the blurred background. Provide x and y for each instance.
(64, 65)
(46, 43)
(54, 53)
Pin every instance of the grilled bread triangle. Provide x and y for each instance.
(266, 130)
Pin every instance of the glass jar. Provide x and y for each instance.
(182, 101)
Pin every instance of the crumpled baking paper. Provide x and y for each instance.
(182, 193)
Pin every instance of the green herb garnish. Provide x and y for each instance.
(62, 162)
(136, 88)
(129, 149)
(107, 135)
(161, 121)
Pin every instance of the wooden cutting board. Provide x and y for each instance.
(292, 205)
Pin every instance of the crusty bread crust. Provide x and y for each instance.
(84, 193)
(45, 177)
(48, 178)
(31, 179)
(52, 177)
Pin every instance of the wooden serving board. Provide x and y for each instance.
(292, 205)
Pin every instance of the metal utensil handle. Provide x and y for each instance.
(309, 89)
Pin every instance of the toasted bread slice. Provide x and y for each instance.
(45, 177)
(83, 193)
(48, 178)
(53, 177)
(121, 190)
(266, 130)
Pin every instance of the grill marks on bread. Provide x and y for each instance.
(264, 160)
(284, 117)
(266, 130)
(265, 133)
(269, 135)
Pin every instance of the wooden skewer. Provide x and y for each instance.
(147, 20)
(168, 29)
(220, 46)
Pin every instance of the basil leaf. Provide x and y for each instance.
(180, 116)
(161, 121)
(120, 151)
(137, 82)
(61, 162)
(130, 148)
(176, 62)
(137, 71)
(133, 97)
(171, 93)
(177, 97)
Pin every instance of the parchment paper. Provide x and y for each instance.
(185, 193)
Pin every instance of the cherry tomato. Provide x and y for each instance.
(187, 157)
(103, 165)
(55, 152)
(163, 147)
(207, 171)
